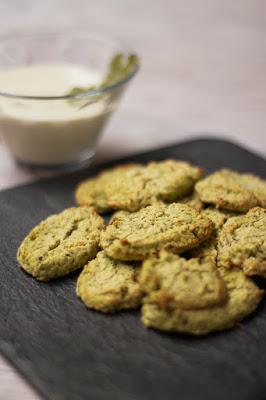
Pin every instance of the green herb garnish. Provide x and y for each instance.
(119, 68)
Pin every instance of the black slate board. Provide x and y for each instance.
(70, 353)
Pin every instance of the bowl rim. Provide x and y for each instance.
(81, 34)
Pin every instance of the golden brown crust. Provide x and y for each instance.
(192, 200)
(243, 298)
(242, 243)
(232, 191)
(136, 236)
(61, 244)
(208, 249)
(96, 191)
(132, 187)
(109, 286)
(173, 282)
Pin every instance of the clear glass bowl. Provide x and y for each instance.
(39, 130)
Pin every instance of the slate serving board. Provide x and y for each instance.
(70, 353)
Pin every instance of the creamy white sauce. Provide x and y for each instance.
(49, 131)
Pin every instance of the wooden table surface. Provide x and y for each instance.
(203, 71)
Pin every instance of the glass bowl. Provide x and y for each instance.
(55, 130)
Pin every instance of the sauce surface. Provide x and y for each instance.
(46, 79)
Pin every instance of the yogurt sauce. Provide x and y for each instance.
(49, 132)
